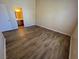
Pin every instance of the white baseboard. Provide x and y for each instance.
(55, 30)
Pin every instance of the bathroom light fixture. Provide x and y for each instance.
(17, 10)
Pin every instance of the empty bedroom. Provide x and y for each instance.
(38, 29)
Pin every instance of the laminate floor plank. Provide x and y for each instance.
(36, 43)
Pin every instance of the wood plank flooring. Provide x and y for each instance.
(36, 43)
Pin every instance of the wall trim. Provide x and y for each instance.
(54, 30)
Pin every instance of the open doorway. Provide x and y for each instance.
(19, 17)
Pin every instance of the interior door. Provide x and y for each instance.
(5, 23)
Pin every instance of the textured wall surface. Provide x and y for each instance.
(58, 15)
(28, 7)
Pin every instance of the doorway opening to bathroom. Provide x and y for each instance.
(19, 17)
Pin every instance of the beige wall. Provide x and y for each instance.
(2, 47)
(58, 15)
(28, 7)
(74, 45)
